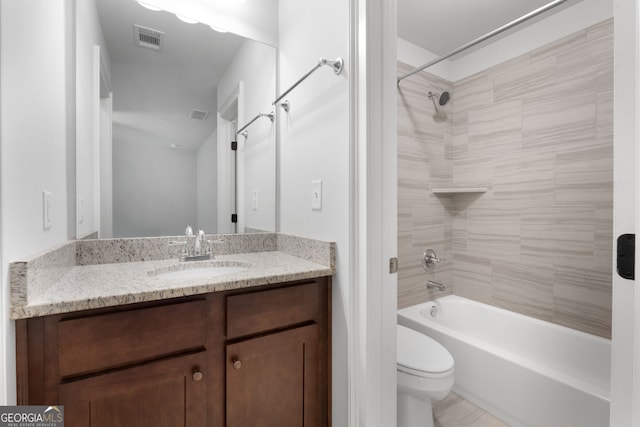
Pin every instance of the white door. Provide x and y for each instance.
(625, 366)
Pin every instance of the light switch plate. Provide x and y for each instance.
(80, 209)
(47, 222)
(316, 195)
(254, 200)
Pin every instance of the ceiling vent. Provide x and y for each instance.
(147, 37)
(199, 115)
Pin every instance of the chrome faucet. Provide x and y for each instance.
(435, 285)
(198, 242)
(202, 248)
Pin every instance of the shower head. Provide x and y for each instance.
(443, 98)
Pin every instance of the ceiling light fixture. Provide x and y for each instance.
(148, 6)
(218, 29)
(187, 20)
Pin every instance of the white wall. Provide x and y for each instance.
(314, 144)
(154, 188)
(34, 137)
(255, 66)
(207, 185)
(88, 35)
(417, 56)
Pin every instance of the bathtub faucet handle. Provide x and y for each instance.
(429, 260)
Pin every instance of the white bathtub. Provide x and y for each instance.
(525, 371)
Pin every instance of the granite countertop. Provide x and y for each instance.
(84, 287)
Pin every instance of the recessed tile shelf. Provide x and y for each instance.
(444, 191)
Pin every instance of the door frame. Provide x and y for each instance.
(373, 213)
(625, 346)
(371, 388)
(230, 113)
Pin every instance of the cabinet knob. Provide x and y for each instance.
(237, 364)
(197, 375)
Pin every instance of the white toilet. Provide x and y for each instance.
(425, 373)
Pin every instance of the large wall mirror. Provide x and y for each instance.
(158, 103)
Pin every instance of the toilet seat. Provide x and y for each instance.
(421, 355)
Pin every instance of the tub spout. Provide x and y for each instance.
(435, 285)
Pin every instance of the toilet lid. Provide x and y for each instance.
(418, 352)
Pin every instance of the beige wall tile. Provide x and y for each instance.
(572, 41)
(525, 288)
(495, 129)
(472, 277)
(563, 233)
(603, 29)
(537, 131)
(473, 171)
(529, 78)
(524, 179)
(473, 93)
(554, 123)
(582, 299)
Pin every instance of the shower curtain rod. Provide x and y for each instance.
(269, 115)
(483, 38)
(335, 65)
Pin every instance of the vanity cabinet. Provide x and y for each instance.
(273, 357)
(249, 357)
(273, 380)
(169, 393)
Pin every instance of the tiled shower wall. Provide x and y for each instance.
(537, 131)
(424, 160)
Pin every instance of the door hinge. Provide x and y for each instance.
(234, 218)
(393, 265)
(234, 145)
(626, 257)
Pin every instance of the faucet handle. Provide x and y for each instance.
(430, 259)
(185, 252)
(210, 244)
(188, 231)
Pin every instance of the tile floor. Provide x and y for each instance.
(454, 411)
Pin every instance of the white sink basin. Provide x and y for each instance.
(200, 270)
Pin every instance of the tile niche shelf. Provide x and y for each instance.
(450, 191)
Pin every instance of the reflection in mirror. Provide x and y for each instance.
(158, 103)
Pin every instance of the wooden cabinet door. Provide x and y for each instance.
(273, 380)
(167, 393)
